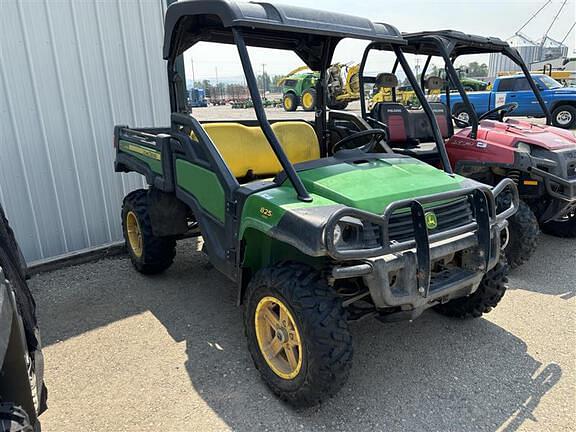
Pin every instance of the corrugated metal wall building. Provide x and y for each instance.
(69, 71)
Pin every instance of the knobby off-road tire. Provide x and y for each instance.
(323, 331)
(565, 228)
(484, 299)
(153, 254)
(14, 418)
(523, 232)
(14, 272)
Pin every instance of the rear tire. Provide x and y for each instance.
(149, 254)
(335, 105)
(564, 117)
(484, 299)
(325, 343)
(463, 114)
(523, 232)
(14, 418)
(290, 102)
(565, 228)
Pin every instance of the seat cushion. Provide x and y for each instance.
(245, 148)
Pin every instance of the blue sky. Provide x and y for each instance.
(499, 18)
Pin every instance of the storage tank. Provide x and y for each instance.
(528, 49)
(532, 52)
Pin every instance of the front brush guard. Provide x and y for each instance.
(483, 200)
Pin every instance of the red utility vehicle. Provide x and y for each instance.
(540, 158)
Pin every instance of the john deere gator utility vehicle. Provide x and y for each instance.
(540, 159)
(313, 234)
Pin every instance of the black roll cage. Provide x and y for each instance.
(312, 35)
(449, 48)
(401, 60)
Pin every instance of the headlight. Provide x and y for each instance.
(353, 233)
(524, 148)
(337, 233)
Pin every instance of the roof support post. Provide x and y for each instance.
(453, 76)
(516, 58)
(320, 123)
(427, 109)
(301, 191)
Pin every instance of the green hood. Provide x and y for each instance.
(372, 185)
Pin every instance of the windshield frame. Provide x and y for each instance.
(401, 60)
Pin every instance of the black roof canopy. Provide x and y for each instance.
(457, 43)
(302, 30)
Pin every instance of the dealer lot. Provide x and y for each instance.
(134, 353)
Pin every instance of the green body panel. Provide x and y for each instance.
(372, 186)
(369, 186)
(303, 81)
(476, 85)
(147, 155)
(203, 185)
(263, 251)
(263, 210)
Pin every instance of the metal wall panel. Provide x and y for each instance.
(69, 71)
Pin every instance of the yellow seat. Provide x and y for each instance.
(245, 148)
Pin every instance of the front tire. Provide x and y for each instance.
(297, 334)
(523, 234)
(149, 254)
(562, 228)
(290, 102)
(564, 117)
(483, 300)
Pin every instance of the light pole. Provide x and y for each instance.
(263, 80)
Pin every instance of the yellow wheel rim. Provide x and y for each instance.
(278, 337)
(134, 234)
(307, 101)
(287, 103)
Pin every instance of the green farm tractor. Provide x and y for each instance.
(317, 225)
(299, 87)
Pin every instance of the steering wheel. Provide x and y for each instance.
(376, 134)
(502, 110)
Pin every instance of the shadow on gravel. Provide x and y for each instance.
(546, 273)
(432, 374)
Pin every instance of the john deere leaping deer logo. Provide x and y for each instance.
(431, 220)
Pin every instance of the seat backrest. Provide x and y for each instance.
(246, 150)
(412, 126)
(443, 118)
(395, 116)
(421, 129)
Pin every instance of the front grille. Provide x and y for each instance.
(450, 215)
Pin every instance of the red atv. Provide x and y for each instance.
(541, 159)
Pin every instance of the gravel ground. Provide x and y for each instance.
(126, 352)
